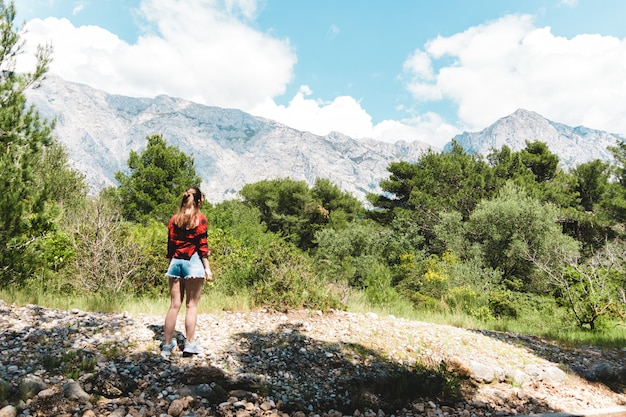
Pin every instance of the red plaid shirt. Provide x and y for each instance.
(183, 243)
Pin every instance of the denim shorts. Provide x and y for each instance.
(186, 268)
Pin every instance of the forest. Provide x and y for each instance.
(505, 239)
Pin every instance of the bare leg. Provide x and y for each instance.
(177, 292)
(193, 287)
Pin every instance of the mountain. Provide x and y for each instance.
(230, 148)
(573, 145)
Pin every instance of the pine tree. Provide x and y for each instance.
(158, 177)
(24, 139)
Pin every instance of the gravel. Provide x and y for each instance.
(298, 363)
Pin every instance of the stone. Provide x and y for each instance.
(73, 391)
(269, 372)
(109, 383)
(31, 385)
(554, 375)
(519, 378)
(605, 372)
(8, 411)
(176, 407)
(118, 412)
(481, 372)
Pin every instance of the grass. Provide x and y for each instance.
(214, 302)
(534, 323)
(211, 302)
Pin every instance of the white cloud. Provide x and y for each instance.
(195, 51)
(332, 32)
(344, 114)
(429, 128)
(213, 55)
(420, 68)
(248, 8)
(79, 6)
(509, 63)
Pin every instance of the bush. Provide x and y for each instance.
(501, 306)
(464, 299)
(150, 240)
(425, 303)
(283, 278)
(471, 273)
(377, 282)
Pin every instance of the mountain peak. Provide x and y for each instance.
(524, 113)
(573, 145)
(230, 148)
(525, 116)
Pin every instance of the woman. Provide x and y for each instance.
(188, 251)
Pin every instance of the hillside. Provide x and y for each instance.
(230, 148)
(573, 145)
(299, 363)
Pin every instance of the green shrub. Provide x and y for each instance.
(151, 240)
(232, 262)
(377, 282)
(473, 274)
(5, 387)
(482, 313)
(284, 278)
(425, 303)
(463, 299)
(501, 305)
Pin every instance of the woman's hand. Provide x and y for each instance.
(208, 275)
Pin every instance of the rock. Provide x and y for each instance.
(111, 384)
(605, 372)
(51, 402)
(202, 391)
(118, 412)
(178, 406)
(288, 364)
(31, 385)
(419, 407)
(47, 393)
(8, 411)
(74, 391)
(553, 375)
(534, 371)
(519, 378)
(482, 373)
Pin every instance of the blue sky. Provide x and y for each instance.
(397, 70)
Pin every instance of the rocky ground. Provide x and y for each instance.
(303, 363)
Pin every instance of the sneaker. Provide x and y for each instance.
(192, 349)
(166, 350)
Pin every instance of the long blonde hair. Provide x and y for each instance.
(187, 215)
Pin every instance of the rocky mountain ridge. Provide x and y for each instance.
(232, 148)
(573, 145)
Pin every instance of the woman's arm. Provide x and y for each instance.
(208, 275)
